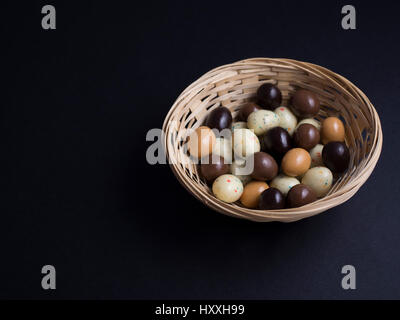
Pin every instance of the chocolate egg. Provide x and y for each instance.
(261, 121)
(284, 183)
(247, 109)
(251, 194)
(201, 142)
(306, 136)
(277, 142)
(245, 142)
(316, 156)
(238, 168)
(271, 199)
(336, 156)
(223, 148)
(265, 167)
(296, 162)
(287, 120)
(332, 130)
(215, 167)
(319, 179)
(269, 96)
(227, 188)
(220, 118)
(300, 195)
(305, 103)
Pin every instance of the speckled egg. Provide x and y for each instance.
(261, 121)
(296, 162)
(201, 142)
(223, 148)
(245, 143)
(236, 167)
(312, 121)
(251, 194)
(227, 188)
(239, 125)
(287, 120)
(284, 183)
(319, 179)
(316, 156)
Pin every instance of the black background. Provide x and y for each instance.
(76, 104)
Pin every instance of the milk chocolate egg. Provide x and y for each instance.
(319, 179)
(261, 121)
(220, 118)
(306, 136)
(284, 183)
(227, 188)
(271, 199)
(245, 142)
(332, 130)
(316, 156)
(251, 194)
(265, 167)
(239, 125)
(277, 142)
(300, 195)
(296, 162)
(287, 120)
(201, 142)
(239, 169)
(214, 168)
(223, 148)
(336, 156)
(247, 109)
(269, 96)
(312, 121)
(305, 103)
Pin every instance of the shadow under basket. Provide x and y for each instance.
(233, 85)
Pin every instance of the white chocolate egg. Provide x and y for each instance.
(235, 170)
(223, 148)
(316, 156)
(261, 121)
(245, 143)
(319, 179)
(284, 183)
(287, 120)
(227, 188)
(239, 125)
(312, 121)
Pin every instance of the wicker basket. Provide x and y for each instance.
(234, 84)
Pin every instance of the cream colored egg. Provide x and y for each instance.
(287, 120)
(227, 188)
(284, 183)
(261, 121)
(319, 179)
(237, 168)
(223, 148)
(245, 143)
(316, 156)
(239, 125)
(312, 121)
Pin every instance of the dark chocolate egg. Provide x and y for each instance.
(247, 109)
(300, 195)
(336, 156)
(305, 103)
(220, 118)
(306, 136)
(269, 96)
(277, 142)
(265, 167)
(271, 199)
(215, 167)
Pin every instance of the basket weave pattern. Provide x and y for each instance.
(235, 84)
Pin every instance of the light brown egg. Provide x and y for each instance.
(251, 193)
(296, 162)
(332, 130)
(201, 142)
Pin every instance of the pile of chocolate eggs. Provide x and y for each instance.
(294, 156)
